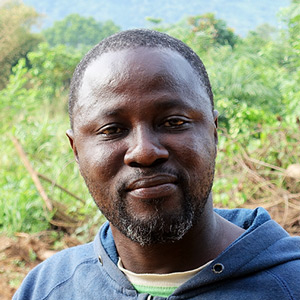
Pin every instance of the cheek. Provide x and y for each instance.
(99, 162)
(196, 152)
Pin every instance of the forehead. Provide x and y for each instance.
(138, 72)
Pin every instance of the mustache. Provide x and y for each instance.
(122, 185)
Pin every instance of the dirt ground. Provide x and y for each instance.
(20, 254)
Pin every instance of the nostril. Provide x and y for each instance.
(145, 149)
(146, 155)
(157, 162)
(134, 164)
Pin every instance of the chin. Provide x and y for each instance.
(156, 228)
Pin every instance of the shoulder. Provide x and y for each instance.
(53, 272)
(287, 277)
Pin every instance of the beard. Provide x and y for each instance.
(162, 226)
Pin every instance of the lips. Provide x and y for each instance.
(153, 187)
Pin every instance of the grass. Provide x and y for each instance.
(249, 152)
(42, 134)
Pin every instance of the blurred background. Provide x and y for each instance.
(251, 51)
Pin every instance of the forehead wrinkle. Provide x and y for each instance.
(141, 84)
(112, 87)
(113, 112)
(136, 81)
(161, 101)
(121, 86)
(167, 104)
(158, 105)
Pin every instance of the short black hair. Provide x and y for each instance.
(130, 39)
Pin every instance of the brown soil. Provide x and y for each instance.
(20, 254)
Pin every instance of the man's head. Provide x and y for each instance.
(144, 136)
(131, 39)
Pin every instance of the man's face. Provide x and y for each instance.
(145, 140)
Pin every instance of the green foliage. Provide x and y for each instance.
(216, 29)
(16, 38)
(16, 99)
(154, 21)
(248, 79)
(263, 33)
(291, 19)
(251, 166)
(77, 31)
(291, 16)
(256, 87)
(201, 32)
(258, 97)
(51, 68)
(242, 15)
(19, 211)
(245, 81)
(38, 118)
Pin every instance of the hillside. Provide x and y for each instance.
(240, 15)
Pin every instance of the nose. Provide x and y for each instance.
(145, 149)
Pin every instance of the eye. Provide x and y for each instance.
(111, 131)
(175, 122)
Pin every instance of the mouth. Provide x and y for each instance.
(153, 187)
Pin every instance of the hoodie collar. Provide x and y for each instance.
(253, 251)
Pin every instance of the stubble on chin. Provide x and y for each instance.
(160, 227)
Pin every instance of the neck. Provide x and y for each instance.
(202, 243)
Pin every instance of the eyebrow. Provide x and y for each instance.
(160, 105)
(112, 113)
(158, 81)
(166, 104)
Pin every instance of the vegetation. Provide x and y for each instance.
(16, 40)
(201, 32)
(256, 86)
(76, 31)
(242, 15)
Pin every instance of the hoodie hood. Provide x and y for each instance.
(263, 263)
(263, 246)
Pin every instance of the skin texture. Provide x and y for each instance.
(144, 136)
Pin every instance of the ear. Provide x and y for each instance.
(215, 115)
(70, 135)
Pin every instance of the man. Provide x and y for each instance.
(144, 135)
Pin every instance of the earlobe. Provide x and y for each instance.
(70, 136)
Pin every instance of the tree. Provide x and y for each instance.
(201, 32)
(291, 17)
(76, 31)
(215, 28)
(51, 69)
(16, 39)
(265, 31)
